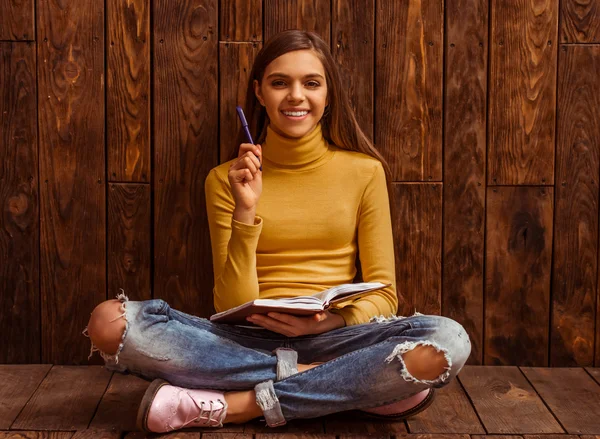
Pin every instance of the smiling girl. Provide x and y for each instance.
(295, 228)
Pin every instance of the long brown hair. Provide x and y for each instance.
(339, 124)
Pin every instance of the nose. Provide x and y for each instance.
(296, 93)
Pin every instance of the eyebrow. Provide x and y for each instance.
(283, 75)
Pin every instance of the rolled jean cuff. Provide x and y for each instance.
(287, 363)
(269, 403)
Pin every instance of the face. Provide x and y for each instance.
(294, 93)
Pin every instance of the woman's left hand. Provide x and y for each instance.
(294, 326)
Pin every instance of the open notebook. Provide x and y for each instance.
(301, 305)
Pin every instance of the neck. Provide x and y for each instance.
(300, 153)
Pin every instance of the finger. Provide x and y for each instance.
(244, 148)
(319, 316)
(288, 319)
(254, 150)
(247, 161)
(273, 325)
(253, 158)
(241, 175)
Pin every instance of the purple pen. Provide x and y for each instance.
(240, 113)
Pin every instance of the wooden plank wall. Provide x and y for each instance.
(112, 114)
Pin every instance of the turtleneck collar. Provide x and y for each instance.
(306, 152)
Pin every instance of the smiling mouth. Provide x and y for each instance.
(295, 113)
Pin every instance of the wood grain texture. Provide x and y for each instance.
(580, 21)
(128, 90)
(576, 221)
(119, 405)
(186, 148)
(418, 247)
(309, 15)
(296, 427)
(93, 433)
(505, 401)
(353, 47)
(36, 434)
(342, 425)
(19, 382)
(241, 20)
(566, 391)
(17, 20)
(464, 167)
(19, 199)
(450, 403)
(129, 240)
(235, 65)
(517, 272)
(522, 106)
(72, 169)
(59, 405)
(408, 96)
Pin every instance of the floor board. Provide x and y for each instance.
(496, 402)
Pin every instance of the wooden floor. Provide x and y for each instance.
(45, 401)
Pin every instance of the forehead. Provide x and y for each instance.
(296, 63)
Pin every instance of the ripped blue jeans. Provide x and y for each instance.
(363, 367)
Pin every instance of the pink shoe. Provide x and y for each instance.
(404, 408)
(166, 408)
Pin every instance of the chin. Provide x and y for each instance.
(296, 131)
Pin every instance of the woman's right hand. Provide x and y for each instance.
(245, 177)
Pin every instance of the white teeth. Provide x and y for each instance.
(295, 113)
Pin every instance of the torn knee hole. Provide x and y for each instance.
(102, 343)
(420, 361)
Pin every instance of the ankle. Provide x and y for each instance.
(305, 367)
(241, 407)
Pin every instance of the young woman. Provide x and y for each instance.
(293, 228)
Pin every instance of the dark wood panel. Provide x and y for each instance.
(418, 247)
(176, 435)
(119, 405)
(36, 434)
(464, 167)
(505, 401)
(450, 403)
(522, 104)
(72, 168)
(221, 435)
(129, 240)
(186, 148)
(17, 20)
(93, 433)
(517, 273)
(278, 435)
(309, 15)
(19, 382)
(235, 65)
(128, 90)
(19, 198)
(241, 20)
(296, 427)
(58, 404)
(353, 23)
(576, 220)
(571, 394)
(408, 92)
(580, 21)
(344, 426)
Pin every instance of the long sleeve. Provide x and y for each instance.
(233, 246)
(376, 252)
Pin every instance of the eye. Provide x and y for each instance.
(313, 84)
(277, 83)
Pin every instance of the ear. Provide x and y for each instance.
(258, 93)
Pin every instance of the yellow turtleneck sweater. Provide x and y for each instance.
(319, 205)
